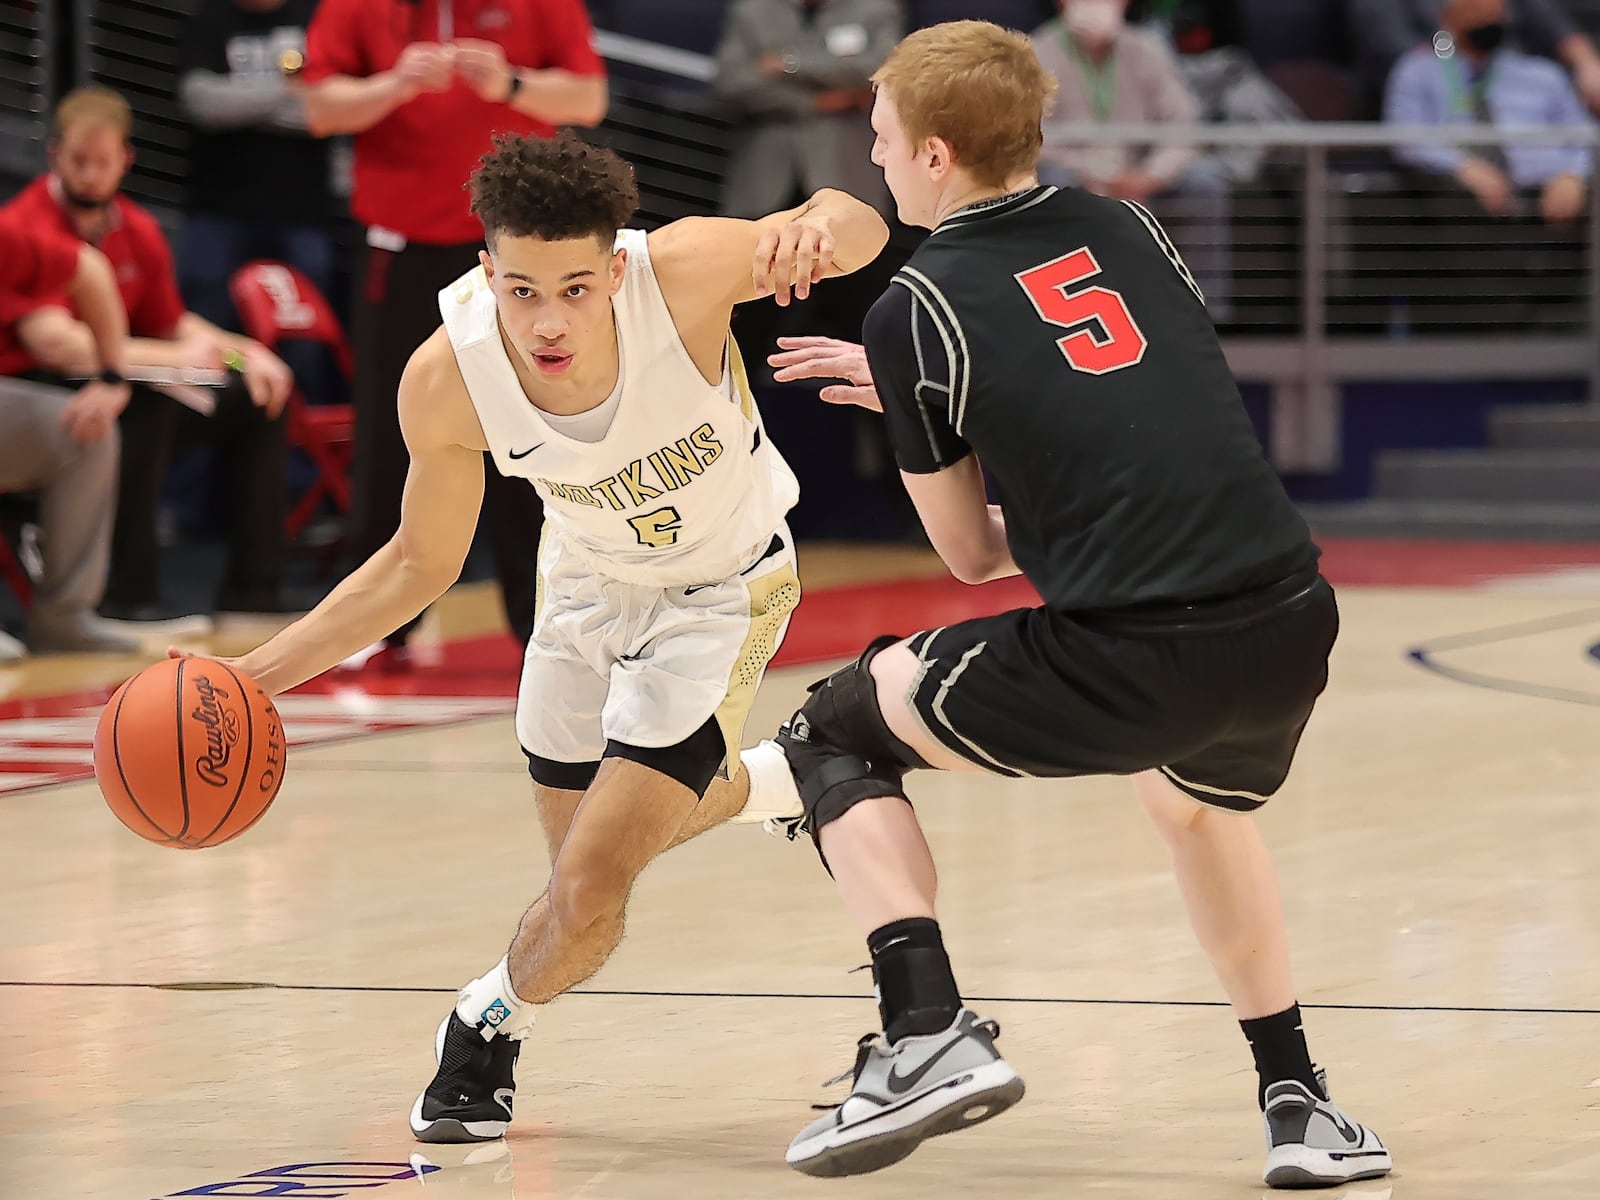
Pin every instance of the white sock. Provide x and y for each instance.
(773, 793)
(490, 1001)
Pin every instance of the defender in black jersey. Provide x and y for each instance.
(1057, 338)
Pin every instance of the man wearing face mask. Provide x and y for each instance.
(1468, 77)
(1385, 30)
(1111, 73)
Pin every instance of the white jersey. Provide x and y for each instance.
(684, 488)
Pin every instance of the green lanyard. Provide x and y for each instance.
(1099, 79)
(1467, 98)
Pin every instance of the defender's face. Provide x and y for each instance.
(905, 167)
(90, 161)
(554, 297)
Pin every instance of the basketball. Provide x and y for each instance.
(189, 753)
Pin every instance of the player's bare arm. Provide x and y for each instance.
(706, 265)
(967, 531)
(444, 490)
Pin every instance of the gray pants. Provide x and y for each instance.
(78, 497)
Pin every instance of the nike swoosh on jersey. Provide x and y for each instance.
(899, 1084)
(524, 453)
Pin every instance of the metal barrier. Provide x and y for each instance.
(133, 48)
(27, 85)
(1365, 272)
(1339, 266)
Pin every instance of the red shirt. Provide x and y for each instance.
(139, 255)
(411, 168)
(34, 268)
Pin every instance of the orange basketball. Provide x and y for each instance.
(189, 753)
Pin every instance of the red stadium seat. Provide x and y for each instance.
(277, 304)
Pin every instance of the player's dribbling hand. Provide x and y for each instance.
(792, 257)
(827, 358)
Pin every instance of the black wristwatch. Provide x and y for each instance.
(112, 376)
(516, 85)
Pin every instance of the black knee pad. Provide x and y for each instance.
(693, 762)
(840, 748)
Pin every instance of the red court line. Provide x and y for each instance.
(831, 623)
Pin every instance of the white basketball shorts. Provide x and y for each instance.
(647, 666)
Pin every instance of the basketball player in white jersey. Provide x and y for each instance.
(596, 363)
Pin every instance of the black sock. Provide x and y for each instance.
(1279, 1045)
(916, 990)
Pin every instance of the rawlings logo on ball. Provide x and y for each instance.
(222, 732)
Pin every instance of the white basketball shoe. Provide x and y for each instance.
(905, 1094)
(1312, 1143)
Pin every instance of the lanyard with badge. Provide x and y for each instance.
(1468, 97)
(1099, 79)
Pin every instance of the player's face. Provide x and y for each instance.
(905, 167)
(90, 162)
(555, 298)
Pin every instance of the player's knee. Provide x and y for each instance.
(586, 893)
(841, 749)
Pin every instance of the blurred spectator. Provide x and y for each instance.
(1113, 74)
(258, 185)
(90, 151)
(798, 75)
(1193, 26)
(424, 86)
(61, 444)
(1387, 29)
(1469, 78)
(1230, 87)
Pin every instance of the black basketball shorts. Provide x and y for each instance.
(1213, 695)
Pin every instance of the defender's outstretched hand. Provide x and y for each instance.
(827, 358)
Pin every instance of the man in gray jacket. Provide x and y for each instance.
(797, 74)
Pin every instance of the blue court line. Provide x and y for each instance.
(1423, 656)
(1492, 1010)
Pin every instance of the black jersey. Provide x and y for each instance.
(1058, 335)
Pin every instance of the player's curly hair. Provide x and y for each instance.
(552, 188)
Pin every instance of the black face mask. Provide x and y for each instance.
(1486, 38)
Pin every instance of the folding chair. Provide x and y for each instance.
(277, 304)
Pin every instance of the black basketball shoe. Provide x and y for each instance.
(470, 1097)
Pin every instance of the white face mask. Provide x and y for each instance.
(1094, 20)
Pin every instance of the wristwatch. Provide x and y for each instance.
(790, 61)
(112, 376)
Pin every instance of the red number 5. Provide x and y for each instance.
(1105, 337)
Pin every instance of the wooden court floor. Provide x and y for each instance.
(1439, 844)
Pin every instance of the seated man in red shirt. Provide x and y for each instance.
(89, 154)
(64, 444)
